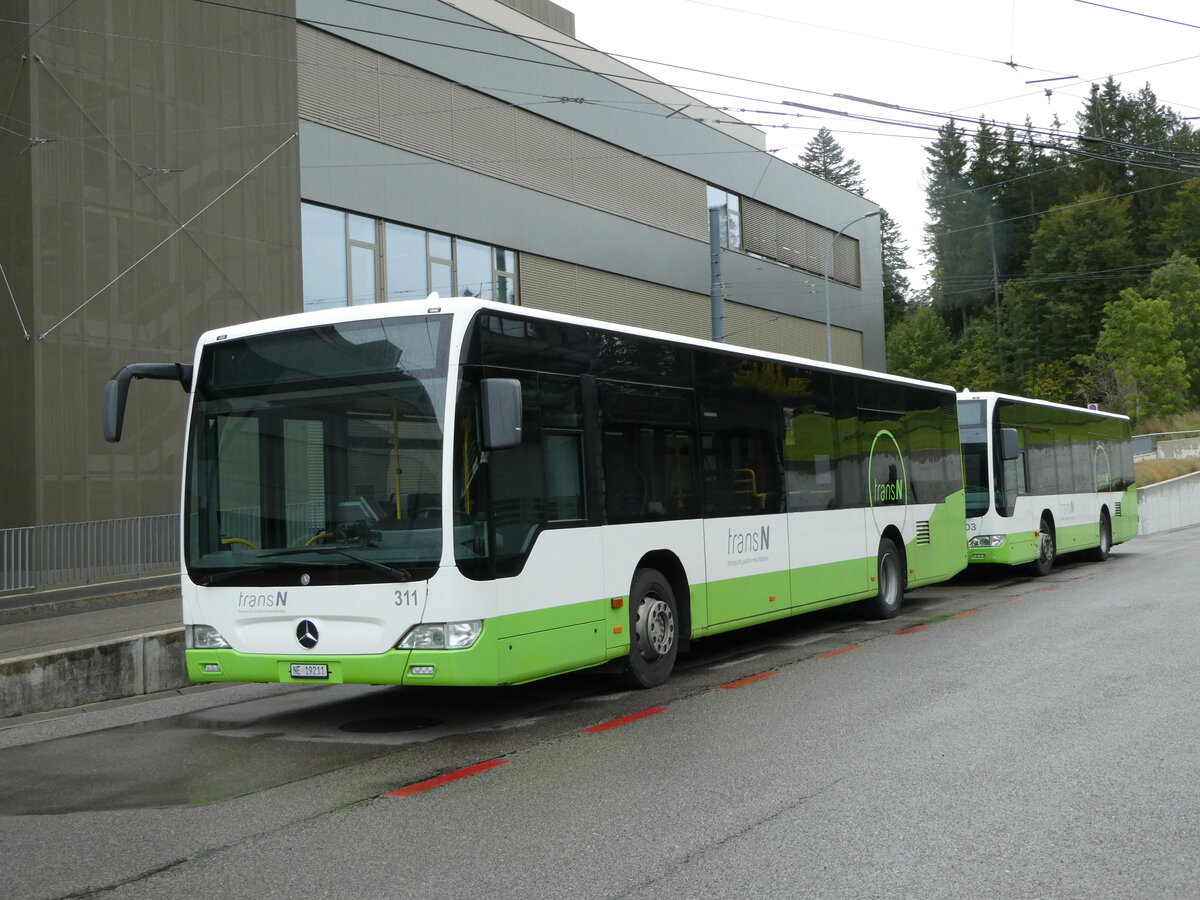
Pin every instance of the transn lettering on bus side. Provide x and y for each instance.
(262, 601)
(889, 492)
(749, 541)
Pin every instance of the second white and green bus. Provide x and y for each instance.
(457, 492)
(1044, 479)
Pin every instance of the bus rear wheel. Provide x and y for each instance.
(653, 630)
(1046, 549)
(1100, 553)
(890, 578)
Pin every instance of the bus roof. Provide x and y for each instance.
(993, 396)
(468, 306)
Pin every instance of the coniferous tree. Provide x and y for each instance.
(825, 158)
(896, 287)
(953, 216)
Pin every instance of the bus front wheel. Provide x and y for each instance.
(1046, 549)
(653, 630)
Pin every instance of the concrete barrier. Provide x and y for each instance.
(143, 664)
(1186, 448)
(1169, 504)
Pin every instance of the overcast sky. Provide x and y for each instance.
(945, 56)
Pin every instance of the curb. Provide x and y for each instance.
(45, 604)
(142, 664)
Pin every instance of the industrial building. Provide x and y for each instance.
(172, 166)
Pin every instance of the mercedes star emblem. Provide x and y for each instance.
(306, 634)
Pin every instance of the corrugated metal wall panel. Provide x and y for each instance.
(797, 242)
(567, 288)
(357, 90)
(338, 83)
(415, 111)
(578, 290)
(484, 134)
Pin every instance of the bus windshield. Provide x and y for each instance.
(973, 433)
(319, 450)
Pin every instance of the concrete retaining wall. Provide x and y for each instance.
(1186, 448)
(143, 664)
(1169, 504)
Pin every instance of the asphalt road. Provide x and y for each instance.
(1005, 737)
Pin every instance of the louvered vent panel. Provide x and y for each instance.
(415, 110)
(338, 83)
(1118, 509)
(789, 232)
(816, 244)
(484, 134)
(923, 532)
(545, 156)
(764, 330)
(758, 229)
(843, 264)
(579, 290)
(847, 347)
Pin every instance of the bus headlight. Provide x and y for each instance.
(203, 637)
(986, 540)
(441, 636)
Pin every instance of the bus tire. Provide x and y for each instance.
(1046, 549)
(653, 630)
(890, 578)
(1100, 553)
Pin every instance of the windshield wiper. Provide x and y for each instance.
(398, 574)
(218, 577)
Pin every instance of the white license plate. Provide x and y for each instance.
(310, 670)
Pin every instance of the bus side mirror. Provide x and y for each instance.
(116, 392)
(1010, 448)
(501, 413)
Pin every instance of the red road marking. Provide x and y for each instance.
(1011, 599)
(849, 649)
(911, 630)
(445, 779)
(625, 720)
(963, 615)
(742, 682)
(1049, 587)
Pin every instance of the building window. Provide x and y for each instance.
(729, 207)
(351, 259)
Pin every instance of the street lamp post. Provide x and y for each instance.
(828, 256)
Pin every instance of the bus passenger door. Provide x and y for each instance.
(745, 528)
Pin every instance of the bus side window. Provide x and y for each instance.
(647, 448)
(562, 439)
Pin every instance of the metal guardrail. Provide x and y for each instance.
(48, 556)
(1147, 444)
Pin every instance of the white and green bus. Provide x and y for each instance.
(458, 492)
(1044, 479)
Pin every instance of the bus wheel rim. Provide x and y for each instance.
(656, 627)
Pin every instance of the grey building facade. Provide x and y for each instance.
(176, 165)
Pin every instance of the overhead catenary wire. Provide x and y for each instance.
(617, 104)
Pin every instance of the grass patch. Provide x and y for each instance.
(1152, 471)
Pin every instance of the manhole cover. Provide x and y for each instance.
(391, 724)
